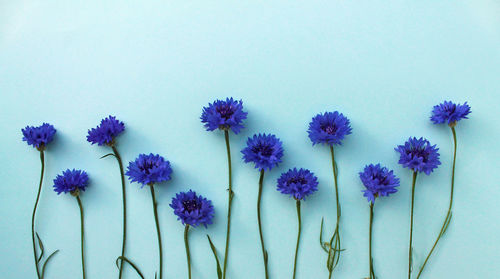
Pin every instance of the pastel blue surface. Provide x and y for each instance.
(154, 65)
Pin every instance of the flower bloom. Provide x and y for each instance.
(149, 169)
(449, 112)
(419, 155)
(71, 181)
(192, 209)
(379, 181)
(224, 115)
(298, 183)
(106, 132)
(329, 128)
(265, 151)
(39, 136)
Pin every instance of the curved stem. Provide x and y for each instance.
(334, 251)
(447, 219)
(264, 252)
(411, 222)
(372, 274)
(186, 243)
(42, 159)
(298, 239)
(119, 159)
(230, 199)
(151, 187)
(81, 234)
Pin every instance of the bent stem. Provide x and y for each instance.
(335, 246)
(42, 159)
(411, 222)
(119, 159)
(372, 274)
(264, 252)
(447, 219)
(155, 211)
(298, 239)
(230, 199)
(81, 234)
(186, 243)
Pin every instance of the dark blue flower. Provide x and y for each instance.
(263, 150)
(449, 112)
(71, 181)
(39, 136)
(379, 181)
(106, 132)
(329, 128)
(192, 209)
(298, 183)
(224, 115)
(419, 155)
(149, 169)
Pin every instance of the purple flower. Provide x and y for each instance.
(149, 169)
(192, 209)
(71, 181)
(329, 128)
(297, 183)
(39, 136)
(449, 112)
(379, 181)
(224, 115)
(265, 151)
(106, 132)
(419, 155)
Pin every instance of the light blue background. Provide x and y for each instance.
(155, 64)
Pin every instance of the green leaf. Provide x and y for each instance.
(40, 244)
(46, 261)
(323, 244)
(109, 154)
(219, 271)
(123, 258)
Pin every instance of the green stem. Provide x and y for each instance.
(81, 234)
(336, 235)
(372, 274)
(151, 187)
(188, 255)
(230, 199)
(119, 159)
(42, 159)
(448, 215)
(411, 223)
(298, 239)
(264, 252)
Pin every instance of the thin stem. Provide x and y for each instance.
(336, 235)
(42, 159)
(298, 239)
(447, 219)
(411, 223)
(119, 159)
(151, 187)
(81, 234)
(230, 199)
(372, 274)
(264, 252)
(186, 243)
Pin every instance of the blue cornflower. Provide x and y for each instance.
(263, 150)
(379, 181)
(71, 181)
(419, 155)
(106, 132)
(224, 115)
(39, 136)
(298, 183)
(149, 169)
(449, 112)
(192, 209)
(329, 128)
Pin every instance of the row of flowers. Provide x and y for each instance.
(265, 151)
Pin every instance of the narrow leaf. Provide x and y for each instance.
(109, 154)
(212, 246)
(46, 261)
(323, 244)
(40, 244)
(123, 258)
